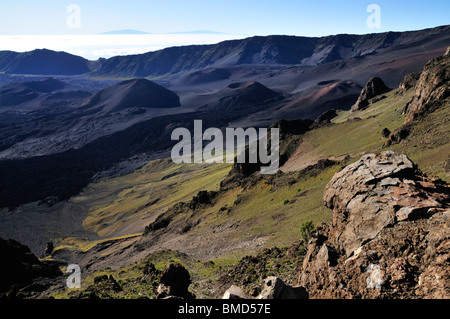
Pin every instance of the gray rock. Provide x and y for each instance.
(234, 292)
(374, 193)
(174, 281)
(275, 288)
(374, 87)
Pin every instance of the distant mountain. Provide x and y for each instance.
(258, 50)
(42, 62)
(125, 31)
(267, 50)
(197, 32)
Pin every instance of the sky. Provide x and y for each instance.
(232, 18)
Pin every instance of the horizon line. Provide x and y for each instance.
(187, 33)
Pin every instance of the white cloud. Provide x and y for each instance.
(106, 45)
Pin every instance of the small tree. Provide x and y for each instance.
(305, 230)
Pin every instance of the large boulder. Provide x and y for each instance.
(374, 87)
(275, 288)
(234, 292)
(389, 236)
(174, 282)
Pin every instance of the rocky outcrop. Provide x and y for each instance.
(432, 88)
(275, 288)
(20, 269)
(234, 292)
(389, 236)
(174, 282)
(409, 81)
(374, 87)
(326, 116)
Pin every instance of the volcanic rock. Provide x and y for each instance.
(389, 236)
(409, 81)
(19, 267)
(432, 88)
(275, 288)
(174, 281)
(240, 95)
(135, 93)
(234, 292)
(373, 88)
(326, 116)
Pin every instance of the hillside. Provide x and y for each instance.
(136, 93)
(251, 222)
(270, 50)
(43, 62)
(90, 173)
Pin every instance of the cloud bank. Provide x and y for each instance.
(94, 46)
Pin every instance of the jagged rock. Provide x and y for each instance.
(174, 281)
(203, 197)
(376, 192)
(326, 116)
(397, 135)
(388, 235)
(409, 81)
(374, 87)
(49, 248)
(234, 292)
(432, 88)
(275, 288)
(385, 132)
(19, 267)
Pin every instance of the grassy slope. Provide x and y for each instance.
(274, 208)
(126, 200)
(428, 144)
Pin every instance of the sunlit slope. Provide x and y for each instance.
(270, 209)
(360, 132)
(125, 205)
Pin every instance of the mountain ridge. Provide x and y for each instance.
(266, 50)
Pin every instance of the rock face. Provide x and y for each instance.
(432, 87)
(326, 116)
(174, 282)
(20, 268)
(373, 88)
(275, 288)
(389, 236)
(234, 292)
(409, 81)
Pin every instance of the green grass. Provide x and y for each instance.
(261, 211)
(360, 131)
(274, 208)
(428, 144)
(118, 202)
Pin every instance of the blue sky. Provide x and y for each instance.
(26, 25)
(249, 17)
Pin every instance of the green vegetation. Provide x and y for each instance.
(305, 230)
(428, 144)
(271, 211)
(124, 201)
(360, 131)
